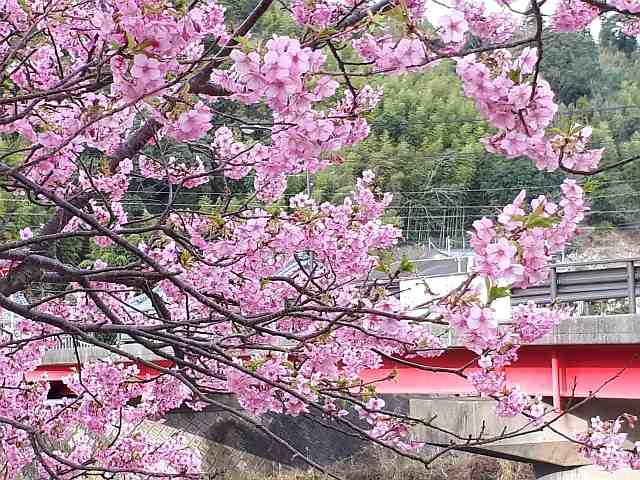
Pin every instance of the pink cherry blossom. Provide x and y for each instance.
(454, 26)
(265, 296)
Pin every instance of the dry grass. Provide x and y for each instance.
(379, 466)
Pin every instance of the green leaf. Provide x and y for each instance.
(131, 43)
(591, 185)
(498, 292)
(274, 210)
(217, 219)
(245, 43)
(396, 13)
(543, 222)
(406, 265)
(369, 392)
(384, 262)
(185, 258)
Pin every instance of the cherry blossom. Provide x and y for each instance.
(267, 297)
(454, 26)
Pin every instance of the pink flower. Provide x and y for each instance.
(26, 233)
(192, 125)
(453, 26)
(325, 87)
(502, 253)
(528, 59)
(573, 15)
(145, 68)
(246, 63)
(514, 144)
(519, 96)
(482, 320)
(410, 52)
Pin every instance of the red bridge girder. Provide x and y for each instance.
(612, 370)
(555, 371)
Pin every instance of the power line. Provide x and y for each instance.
(406, 205)
(603, 184)
(409, 217)
(564, 113)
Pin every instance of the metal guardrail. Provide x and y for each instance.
(581, 281)
(65, 342)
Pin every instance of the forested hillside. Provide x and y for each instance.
(425, 145)
(426, 141)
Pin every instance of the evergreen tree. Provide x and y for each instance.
(613, 37)
(570, 64)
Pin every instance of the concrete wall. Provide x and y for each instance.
(476, 418)
(466, 417)
(587, 473)
(66, 356)
(323, 444)
(591, 330)
(595, 330)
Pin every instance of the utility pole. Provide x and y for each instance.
(308, 184)
(310, 252)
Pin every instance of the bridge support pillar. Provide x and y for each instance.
(587, 472)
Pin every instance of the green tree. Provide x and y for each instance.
(612, 36)
(571, 65)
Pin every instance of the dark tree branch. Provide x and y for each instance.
(605, 7)
(601, 169)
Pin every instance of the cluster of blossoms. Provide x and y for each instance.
(573, 16)
(237, 280)
(411, 53)
(499, 348)
(531, 323)
(603, 444)
(148, 38)
(521, 106)
(320, 14)
(512, 252)
(514, 402)
(236, 265)
(281, 76)
(102, 408)
(517, 248)
(66, 132)
(495, 27)
(191, 124)
(259, 245)
(160, 33)
(389, 54)
(284, 77)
